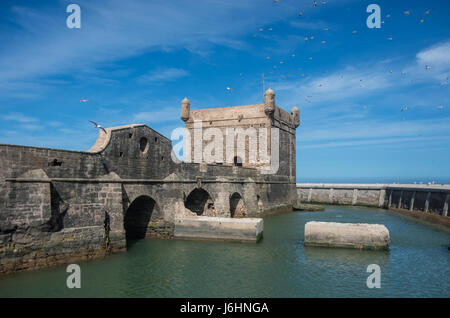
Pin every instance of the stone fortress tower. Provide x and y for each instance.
(248, 128)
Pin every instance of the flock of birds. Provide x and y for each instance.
(300, 14)
(312, 37)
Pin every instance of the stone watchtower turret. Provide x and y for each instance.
(185, 109)
(269, 102)
(295, 113)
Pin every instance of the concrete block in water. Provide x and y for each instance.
(351, 235)
(215, 228)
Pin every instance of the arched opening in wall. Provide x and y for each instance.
(259, 203)
(143, 145)
(237, 206)
(237, 161)
(200, 202)
(138, 216)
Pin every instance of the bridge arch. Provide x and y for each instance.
(200, 202)
(237, 206)
(137, 217)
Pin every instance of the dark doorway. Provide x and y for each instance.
(237, 206)
(237, 161)
(199, 201)
(138, 216)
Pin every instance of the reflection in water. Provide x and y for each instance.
(417, 265)
(343, 257)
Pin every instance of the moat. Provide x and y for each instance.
(417, 265)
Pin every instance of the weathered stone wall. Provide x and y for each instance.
(431, 199)
(54, 203)
(246, 121)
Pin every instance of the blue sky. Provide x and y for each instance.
(134, 61)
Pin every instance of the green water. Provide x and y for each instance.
(417, 265)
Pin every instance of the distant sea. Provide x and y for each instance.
(386, 180)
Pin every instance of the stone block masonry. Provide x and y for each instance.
(426, 202)
(219, 229)
(347, 235)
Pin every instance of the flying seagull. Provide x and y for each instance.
(98, 126)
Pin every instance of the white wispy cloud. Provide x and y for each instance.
(163, 75)
(309, 25)
(359, 105)
(167, 114)
(31, 127)
(371, 142)
(349, 82)
(19, 117)
(112, 30)
(371, 129)
(379, 80)
(437, 56)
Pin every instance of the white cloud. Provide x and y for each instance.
(339, 85)
(304, 25)
(368, 81)
(112, 30)
(31, 127)
(161, 116)
(18, 117)
(437, 56)
(163, 75)
(370, 142)
(370, 129)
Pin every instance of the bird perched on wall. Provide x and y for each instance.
(98, 126)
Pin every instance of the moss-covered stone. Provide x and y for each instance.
(308, 207)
